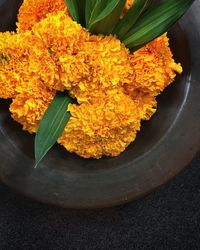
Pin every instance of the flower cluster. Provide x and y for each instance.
(115, 89)
(31, 12)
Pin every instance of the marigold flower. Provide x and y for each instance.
(63, 37)
(107, 67)
(24, 60)
(32, 11)
(154, 67)
(29, 106)
(11, 53)
(105, 127)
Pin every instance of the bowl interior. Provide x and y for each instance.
(169, 104)
(65, 179)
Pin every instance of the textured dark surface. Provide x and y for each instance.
(164, 220)
(167, 219)
(8, 12)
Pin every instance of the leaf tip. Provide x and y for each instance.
(36, 164)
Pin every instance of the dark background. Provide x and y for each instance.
(166, 219)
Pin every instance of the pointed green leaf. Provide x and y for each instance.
(81, 11)
(132, 15)
(156, 22)
(105, 16)
(72, 6)
(77, 10)
(150, 6)
(52, 125)
(89, 7)
(98, 8)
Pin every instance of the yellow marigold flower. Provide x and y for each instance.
(7, 83)
(106, 67)
(154, 67)
(63, 37)
(32, 11)
(145, 102)
(11, 53)
(106, 127)
(24, 59)
(29, 106)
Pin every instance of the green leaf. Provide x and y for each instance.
(156, 22)
(77, 10)
(132, 15)
(72, 6)
(105, 16)
(89, 7)
(52, 125)
(81, 11)
(150, 6)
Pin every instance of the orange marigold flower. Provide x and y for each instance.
(145, 102)
(29, 106)
(11, 64)
(106, 67)
(63, 37)
(105, 127)
(32, 11)
(7, 81)
(153, 66)
(24, 59)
